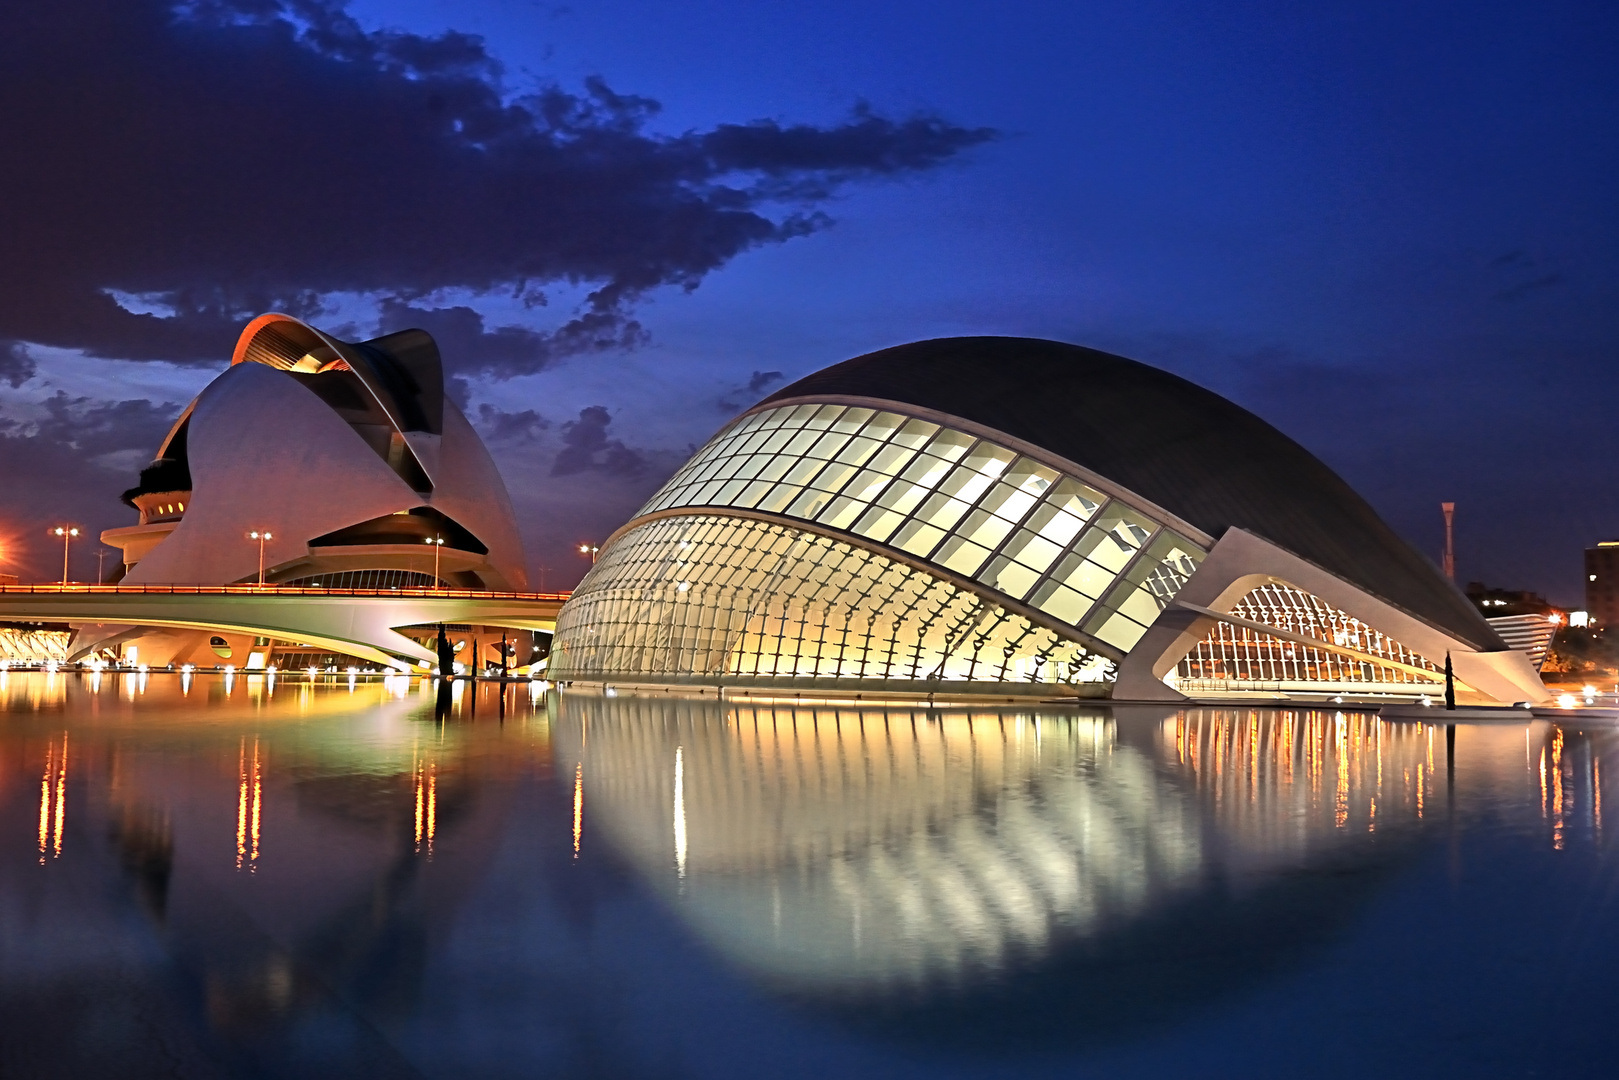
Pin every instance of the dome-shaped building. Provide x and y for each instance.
(349, 455)
(1014, 515)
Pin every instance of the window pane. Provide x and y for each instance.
(1084, 575)
(1026, 475)
(1010, 577)
(840, 513)
(961, 556)
(878, 523)
(1033, 551)
(902, 496)
(1008, 502)
(950, 445)
(780, 498)
(1140, 606)
(851, 421)
(918, 538)
(891, 459)
(985, 529)
(882, 425)
(828, 445)
(1121, 632)
(801, 442)
(989, 459)
(752, 493)
(802, 471)
(926, 470)
(808, 504)
(941, 511)
(866, 485)
(1061, 602)
(965, 483)
(1075, 498)
(858, 450)
(833, 477)
(915, 434)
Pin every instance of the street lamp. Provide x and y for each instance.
(261, 535)
(591, 550)
(438, 546)
(67, 533)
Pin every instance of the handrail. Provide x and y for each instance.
(275, 590)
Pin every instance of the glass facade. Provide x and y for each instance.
(368, 579)
(982, 510)
(706, 595)
(1242, 655)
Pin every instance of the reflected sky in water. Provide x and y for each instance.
(247, 878)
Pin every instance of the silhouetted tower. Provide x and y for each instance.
(1450, 540)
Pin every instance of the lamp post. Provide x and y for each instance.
(261, 535)
(438, 546)
(591, 550)
(67, 533)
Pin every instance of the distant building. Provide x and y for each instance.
(1495, 603)
(1601, 577)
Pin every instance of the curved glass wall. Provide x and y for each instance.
(984, 511)
(368, 579)
(708, 595)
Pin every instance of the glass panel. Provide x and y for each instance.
(918, 538)
(778, 439)
(950, 445)
(902, 496)
(752, 493)
(1031, 477)
(800, 443)
(803, 470)
(852, 419)
(865, 485)
(1075, 498)
(1062, 602)
(1140, 605)
(729, 492)
(828, 445)
(824, 416)
(777, 500)
(858, 450)
(915, 434)
(941, 511)
(1033, 551)
(961, 556)
(1121, 632)
(1114, 538)
(808, 504)
(882, 425)
(833, 476)
(841, 512)
(878, 524)
(926, 470)
(1008, 502)
(891, 459)
(965, 483)
(985, 529)
(1010, 577)
(989, 459)
(1084, 575)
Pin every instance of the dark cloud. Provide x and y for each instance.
(222, 157)
(16, 366)
(752, 390)
(67, 463)
(585, 446)
(500, 426)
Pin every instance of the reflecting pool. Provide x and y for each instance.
(251, 877)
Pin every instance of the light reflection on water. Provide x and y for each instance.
(214, 876)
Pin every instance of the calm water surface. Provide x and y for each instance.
(239, 879)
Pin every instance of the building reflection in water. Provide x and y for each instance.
(306, 858)
(830, 849)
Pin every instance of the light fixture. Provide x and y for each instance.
(438, 546)
(261, 535)
(67, 533)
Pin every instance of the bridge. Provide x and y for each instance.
(364, 623)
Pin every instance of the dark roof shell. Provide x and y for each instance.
(1189, 450)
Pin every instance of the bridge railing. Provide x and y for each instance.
(275, 590)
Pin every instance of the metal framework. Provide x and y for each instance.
(709, 596)
(1231, 655)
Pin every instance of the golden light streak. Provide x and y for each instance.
(61, 801)
(421, 801)
(1596, 793)
(1557, 790)
(680, 812)
(578, 805)
(249, 806)
(45, 801)
(432, 807)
